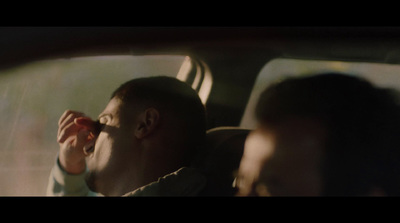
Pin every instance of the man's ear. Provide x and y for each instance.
(148, 122)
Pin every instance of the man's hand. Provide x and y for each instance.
(74, 130)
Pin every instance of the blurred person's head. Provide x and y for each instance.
(151, 127)
(323, 135)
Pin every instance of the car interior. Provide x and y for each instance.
(41, 68)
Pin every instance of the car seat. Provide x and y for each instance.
(220, 162)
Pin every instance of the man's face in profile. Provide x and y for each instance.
(111, 149)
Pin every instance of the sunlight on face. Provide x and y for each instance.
(259, 146)
(112, 148)
(283, 161)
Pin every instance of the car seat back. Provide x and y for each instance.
(224, 150)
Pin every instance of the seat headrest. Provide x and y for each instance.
(224, 151)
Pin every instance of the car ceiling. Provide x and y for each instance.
(375, 44)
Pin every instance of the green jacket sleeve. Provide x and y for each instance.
(63, 184)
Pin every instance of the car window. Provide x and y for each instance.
(33, 97)
(382, 75)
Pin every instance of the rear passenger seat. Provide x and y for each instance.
(224, 150)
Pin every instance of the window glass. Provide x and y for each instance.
(33, 97)
(382, 75)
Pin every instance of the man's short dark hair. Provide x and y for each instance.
(172, 96)
(363, 123)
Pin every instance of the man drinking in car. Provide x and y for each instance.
(142, 143)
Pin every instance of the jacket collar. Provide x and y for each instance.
(186, 181)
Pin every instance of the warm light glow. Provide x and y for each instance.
(202, 70)
(259, 146)
(183, 72)
(205, 89)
